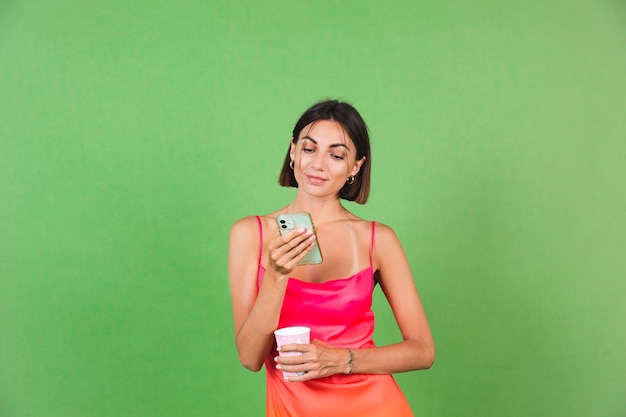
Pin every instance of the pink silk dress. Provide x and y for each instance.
(338, 312)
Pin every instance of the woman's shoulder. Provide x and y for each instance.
(384, 229)
(380, 232)
(244, 228)
(384, 234)
(249, 225)
(245, 222)
(366, 225)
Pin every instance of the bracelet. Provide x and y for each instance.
(350, 361)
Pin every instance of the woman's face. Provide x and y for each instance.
(324, 157)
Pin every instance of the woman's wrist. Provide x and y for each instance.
(278, 276)
(350, 361)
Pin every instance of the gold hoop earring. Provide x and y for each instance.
(350, 180)
(291, 164)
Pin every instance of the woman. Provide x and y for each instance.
(341, 372)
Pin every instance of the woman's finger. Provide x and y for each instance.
(286, 251)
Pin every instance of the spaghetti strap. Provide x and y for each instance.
(258, 219)
(372, 248)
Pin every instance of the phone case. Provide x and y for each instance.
(289, 221)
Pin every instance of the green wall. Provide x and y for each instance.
(134, 133)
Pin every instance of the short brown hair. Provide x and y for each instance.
(354, 125)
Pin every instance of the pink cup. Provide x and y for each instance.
(289, 335)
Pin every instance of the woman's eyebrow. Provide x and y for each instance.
(335, 145)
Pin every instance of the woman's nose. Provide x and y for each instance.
(318, 161)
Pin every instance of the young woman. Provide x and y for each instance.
(341, 372)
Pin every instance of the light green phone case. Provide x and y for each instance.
(289, 221)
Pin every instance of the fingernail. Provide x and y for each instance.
(301, 230)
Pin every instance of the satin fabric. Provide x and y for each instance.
(338, 312)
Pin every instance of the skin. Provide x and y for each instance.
(324, 157)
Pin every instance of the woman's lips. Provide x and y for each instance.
(315, 180)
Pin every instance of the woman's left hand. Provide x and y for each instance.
(317, 360)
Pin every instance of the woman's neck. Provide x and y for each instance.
(321, 209)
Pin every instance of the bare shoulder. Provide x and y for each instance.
(247, 230)
(384, 233)
(389, 259)
(387, 247)
(243, 247)
(244, 227)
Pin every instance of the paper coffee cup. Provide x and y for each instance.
(289, 335)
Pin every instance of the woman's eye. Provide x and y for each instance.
(307, 150)
(335, 156)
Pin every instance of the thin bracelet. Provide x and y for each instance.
(350, 361)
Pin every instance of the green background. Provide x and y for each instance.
(134, 133)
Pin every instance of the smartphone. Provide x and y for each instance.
(290, 221)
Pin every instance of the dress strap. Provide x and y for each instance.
(258, 219)
(372, 248)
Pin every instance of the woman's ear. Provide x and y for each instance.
(292, 150)
(357, 166)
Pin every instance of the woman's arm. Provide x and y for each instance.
(415, 351)
(417, 348)
(256, 313)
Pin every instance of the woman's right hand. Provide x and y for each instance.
(257, 306)
(286, 251)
